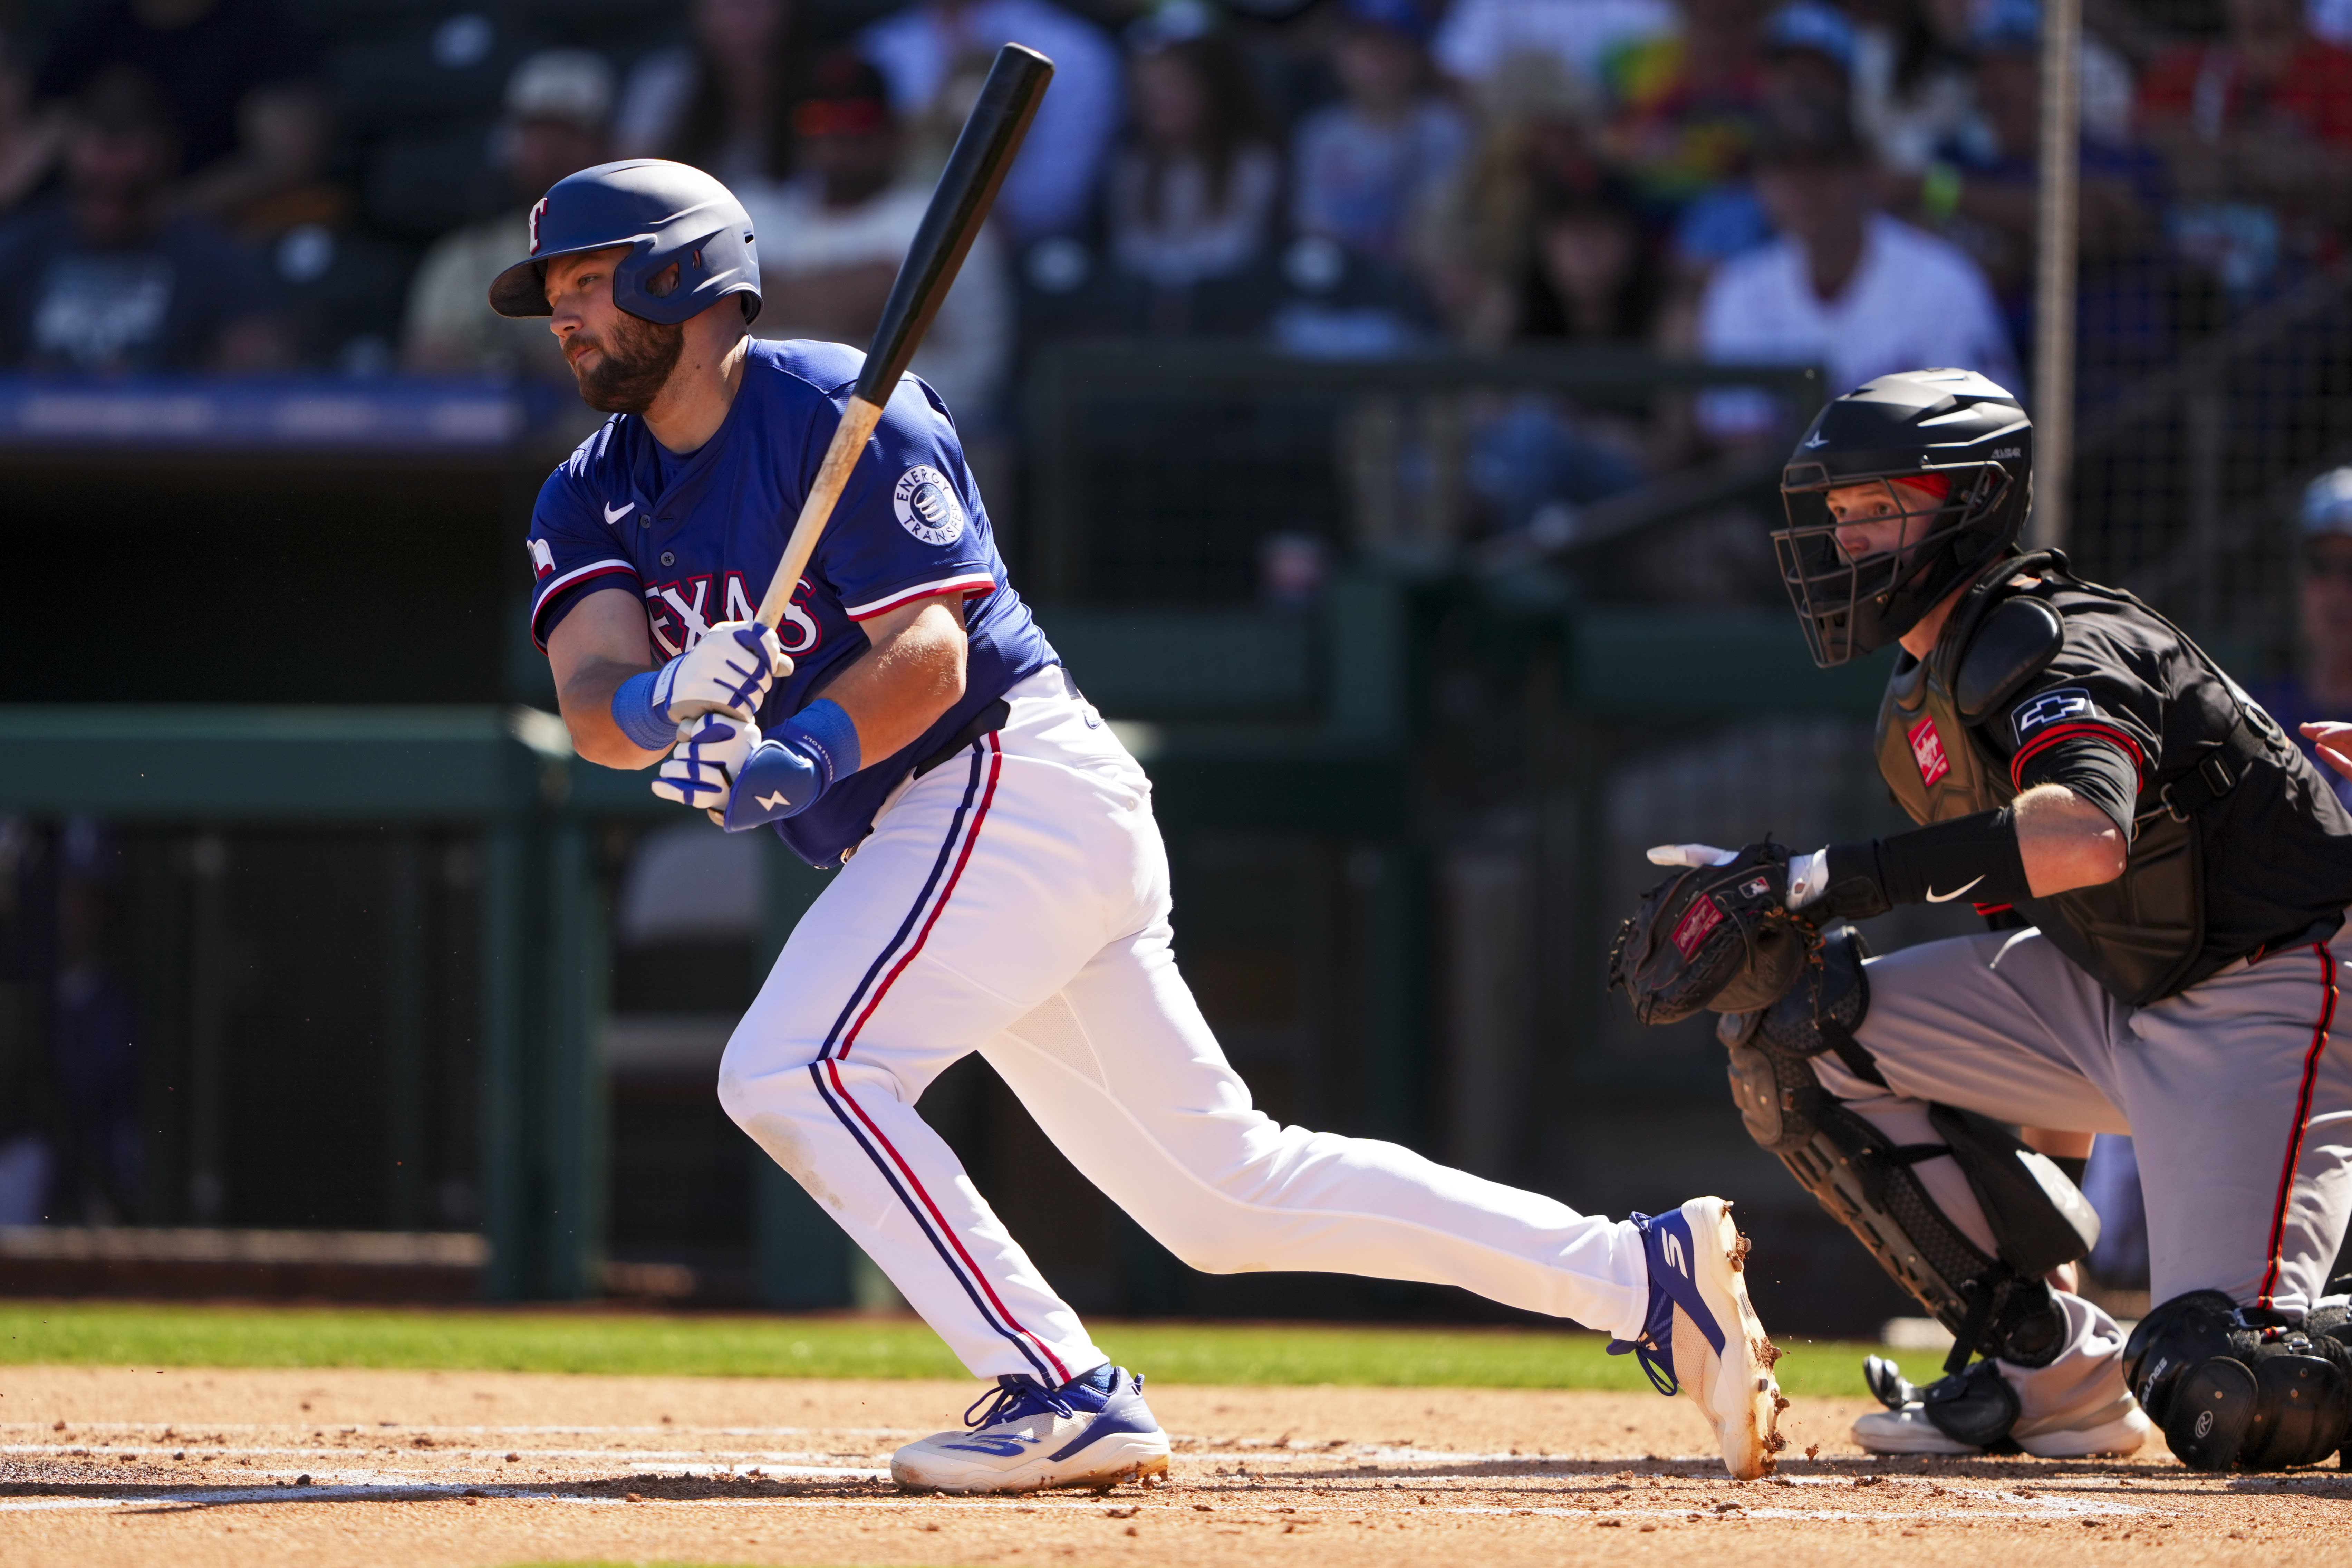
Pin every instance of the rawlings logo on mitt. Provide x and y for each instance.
(1713, 936)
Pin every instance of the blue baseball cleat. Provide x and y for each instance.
(1701, 1336)
(1093, 1431)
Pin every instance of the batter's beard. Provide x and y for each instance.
(634, 362)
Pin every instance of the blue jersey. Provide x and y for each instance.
(702, 545)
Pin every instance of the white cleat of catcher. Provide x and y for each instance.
(2118, 1430)
(1093, 1431)
(1701, 1336)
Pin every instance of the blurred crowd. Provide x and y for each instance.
(239, 184)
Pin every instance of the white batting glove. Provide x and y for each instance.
(1691, 854)
(700, 770)
(733, 667)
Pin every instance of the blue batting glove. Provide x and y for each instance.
(786, 773)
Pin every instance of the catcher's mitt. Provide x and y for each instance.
(1713, 936)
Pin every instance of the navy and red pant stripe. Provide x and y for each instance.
(2318, 1047)
(905, 945)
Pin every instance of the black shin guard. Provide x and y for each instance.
(2234, 1390)
(1998, 1305)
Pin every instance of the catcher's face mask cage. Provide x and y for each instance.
(1861, 552)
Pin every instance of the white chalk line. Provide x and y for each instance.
(697, 1458)
(372, 1486)
(1368, 1457)
(801, 1465)
(1253, 1447)
(182, 1503)
(427, 1429)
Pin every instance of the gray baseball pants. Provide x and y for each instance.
(2236, 1094)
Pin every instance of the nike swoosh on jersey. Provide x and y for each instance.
(1936, 897)
(770, 803)
(615, 514)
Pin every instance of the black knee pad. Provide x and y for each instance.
(2239, 1390)
(1772, 1049)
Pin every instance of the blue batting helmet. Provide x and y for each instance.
(665, 212)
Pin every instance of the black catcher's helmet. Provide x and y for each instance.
(1968, 450)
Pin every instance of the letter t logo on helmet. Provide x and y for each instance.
(538, 211)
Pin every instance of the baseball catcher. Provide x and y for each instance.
(2163, 874)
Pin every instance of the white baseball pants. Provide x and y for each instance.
(1014, 901)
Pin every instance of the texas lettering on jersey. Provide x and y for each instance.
(679, 613)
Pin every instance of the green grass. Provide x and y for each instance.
(118, 1335)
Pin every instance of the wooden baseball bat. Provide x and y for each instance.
(967, 188)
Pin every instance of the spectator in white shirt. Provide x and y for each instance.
(1842, 286)
(927, 48)
(833, 237)
(1367, 168)
(1477, 35)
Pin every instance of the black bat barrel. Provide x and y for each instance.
(983, 151)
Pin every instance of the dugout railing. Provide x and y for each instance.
(501, 783)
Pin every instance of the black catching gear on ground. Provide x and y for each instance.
(2234, 1390)
(1712, 936)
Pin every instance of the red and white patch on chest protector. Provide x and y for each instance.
(1697, 921)
(1928, 751)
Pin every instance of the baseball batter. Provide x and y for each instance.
(998, 887)
(2164, 875)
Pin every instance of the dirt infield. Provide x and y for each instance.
(106, 1465)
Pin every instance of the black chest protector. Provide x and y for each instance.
(2141, 936)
